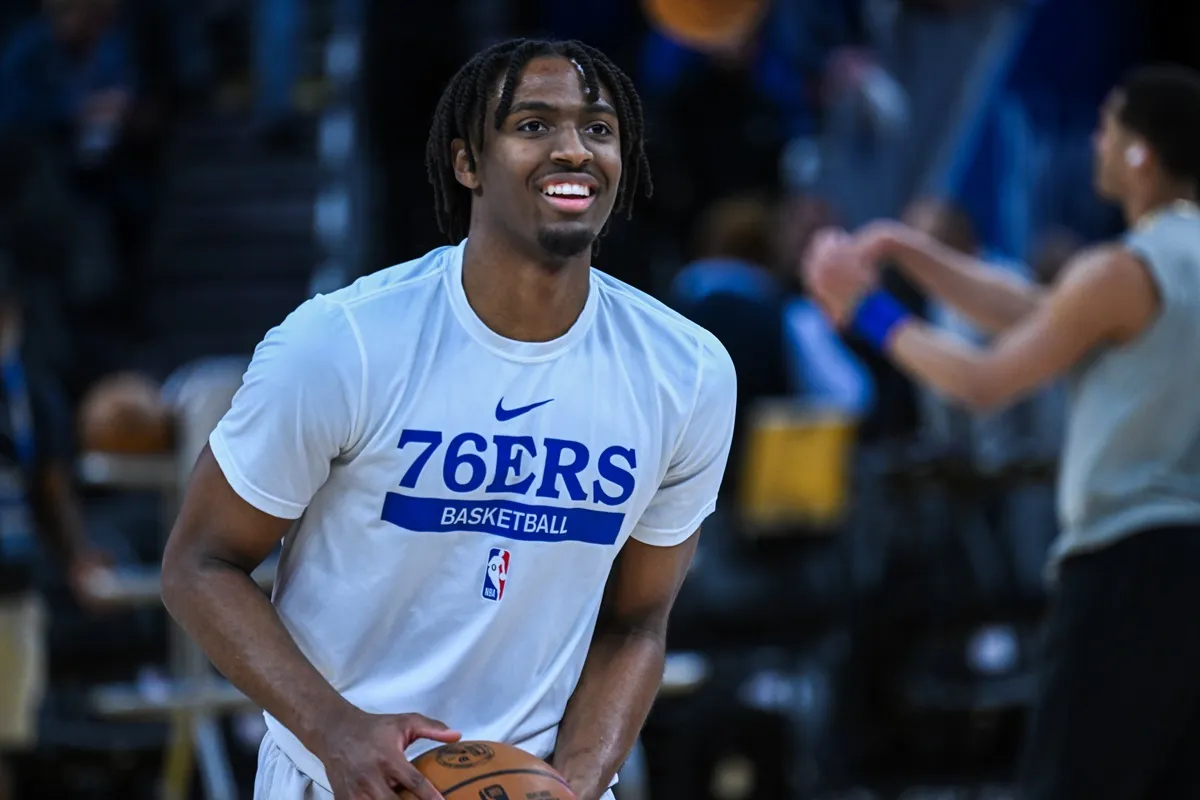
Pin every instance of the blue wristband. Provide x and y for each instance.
(877, 316)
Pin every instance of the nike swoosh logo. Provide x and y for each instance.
(505, 414)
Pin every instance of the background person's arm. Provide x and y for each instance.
(993, 299)
(1105, 296)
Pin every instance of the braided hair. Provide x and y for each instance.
(460, 115)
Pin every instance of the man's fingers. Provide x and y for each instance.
(429, 723)
(419, 726)
(367, 787)
(408, 778)
(442, 734)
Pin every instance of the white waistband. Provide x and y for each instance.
(305, 761)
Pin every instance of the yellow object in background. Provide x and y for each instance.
(796, 469)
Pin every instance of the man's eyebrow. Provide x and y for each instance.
(532, 105)
(598, 107)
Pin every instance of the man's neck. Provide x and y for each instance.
(1138, 206)
(521, 297)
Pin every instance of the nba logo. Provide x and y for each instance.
(496, 575)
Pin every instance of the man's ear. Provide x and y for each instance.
(463, 171)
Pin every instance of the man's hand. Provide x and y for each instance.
(364, 758)
(878, 240)
(837, 274)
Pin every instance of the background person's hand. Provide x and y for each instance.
(364, 757)
(92, 580)
(836, 273)
(878, 240)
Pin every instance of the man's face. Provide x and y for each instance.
(1110, 143)
(549, 175)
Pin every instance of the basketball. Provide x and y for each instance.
(125, 413)
(705, 24)
(490, 771)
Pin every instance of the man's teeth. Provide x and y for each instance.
(568, 190)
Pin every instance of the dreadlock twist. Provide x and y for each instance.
(461, 110)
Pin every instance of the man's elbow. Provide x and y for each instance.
(180, 571)
(642, 627)
(175, 579)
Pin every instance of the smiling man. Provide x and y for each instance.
(488, 466)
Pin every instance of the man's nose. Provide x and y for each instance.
(570, 149)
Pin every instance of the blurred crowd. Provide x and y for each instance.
(746, 128)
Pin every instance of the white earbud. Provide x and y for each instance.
(1135, 155)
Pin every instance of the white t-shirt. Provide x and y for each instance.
(461, 496)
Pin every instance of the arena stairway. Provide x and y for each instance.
(232, 254)
(235, 248)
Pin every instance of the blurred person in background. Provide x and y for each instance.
(1052, 251)
(280, 31)
(70, 78)
(826, 373)
(69, 75)
(1117, 714)
(732, 292)
(36, 503)
(61, 248)
(739, 288)
(989, 440)
(766, 70)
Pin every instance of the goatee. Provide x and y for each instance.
(564, 244)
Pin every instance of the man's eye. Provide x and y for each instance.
(599, 129)
(532, 126)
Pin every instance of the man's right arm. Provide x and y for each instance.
(992, 299)
(294, 413)
(297, 411)
(217, 541)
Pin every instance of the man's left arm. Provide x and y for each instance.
(624, 666)
(1106, 295)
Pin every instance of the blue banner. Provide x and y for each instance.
(519, 521)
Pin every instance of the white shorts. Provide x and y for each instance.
(278, 778)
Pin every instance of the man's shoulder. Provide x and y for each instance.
(660, 326)
(396, 282)
(1099, 264)
(349, 317)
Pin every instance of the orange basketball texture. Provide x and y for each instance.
(490, 771)
(125, 413)
(705, 23)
